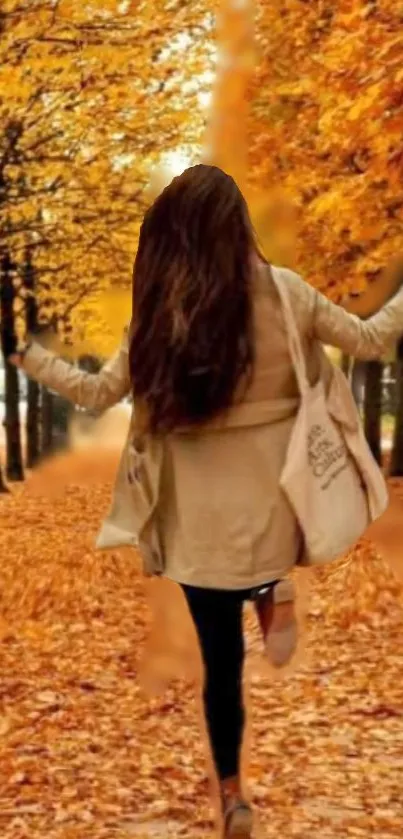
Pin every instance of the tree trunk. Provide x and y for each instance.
(32, 424)
(46, 422)
(31, 321)
(396, 461)
(358, 374)
(3, 486)
(373, 407)
(14, 460)
(14, 463)
(345, 364)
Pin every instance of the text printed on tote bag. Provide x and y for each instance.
(326, 458)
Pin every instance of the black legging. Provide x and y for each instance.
(218, 619)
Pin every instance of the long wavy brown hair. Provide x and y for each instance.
(192, 332)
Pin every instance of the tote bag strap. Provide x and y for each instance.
(293, 336)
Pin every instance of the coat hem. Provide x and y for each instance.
(229, 583)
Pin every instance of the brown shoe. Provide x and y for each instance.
(237, 814)
(276, 613)
(238, 821)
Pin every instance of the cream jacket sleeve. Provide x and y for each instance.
(324, 321)
(94, 391)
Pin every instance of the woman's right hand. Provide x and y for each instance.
(15, 359)
(378, 293)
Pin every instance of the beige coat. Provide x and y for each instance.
(205, 507)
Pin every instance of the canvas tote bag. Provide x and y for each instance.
(330, 477)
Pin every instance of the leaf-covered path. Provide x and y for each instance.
(85, 753)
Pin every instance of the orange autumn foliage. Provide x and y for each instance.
(326, 125)
(307, 115)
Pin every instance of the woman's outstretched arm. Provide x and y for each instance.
(94, 391)
(332, 325)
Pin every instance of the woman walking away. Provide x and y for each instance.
(198, 488)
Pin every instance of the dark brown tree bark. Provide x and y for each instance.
(358, 375)
(345, 364)
(31, 321)
(3, 486)
(46, 422)
(396, 461)
(373, 407)
(32, 424)
(14, 459)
